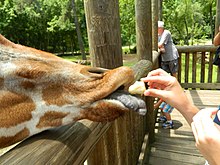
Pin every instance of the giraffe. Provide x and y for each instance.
(39, 91)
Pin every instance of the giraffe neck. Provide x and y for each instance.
(36, 118)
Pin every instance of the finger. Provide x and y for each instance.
(155, 93)
(163, 80)
(158, 72)
(156, 86)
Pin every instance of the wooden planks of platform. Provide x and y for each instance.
(177, 146)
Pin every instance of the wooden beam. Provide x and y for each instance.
(198, 48)
(201, 85)
(65, 145)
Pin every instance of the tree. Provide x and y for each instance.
(208, 9)
(127, 22)
(185, 20)
(79, 36)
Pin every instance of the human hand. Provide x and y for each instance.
(207, 134)
(162, 50)
(164, 86)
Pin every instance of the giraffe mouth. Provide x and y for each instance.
(129, 101)
(117, 88)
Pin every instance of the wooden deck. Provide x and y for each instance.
(177, 146)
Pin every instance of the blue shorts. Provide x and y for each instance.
(166, 107)
(170, 66)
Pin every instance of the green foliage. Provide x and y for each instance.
(49, 24)
(127, 21)
(188, 19)
(44, 24)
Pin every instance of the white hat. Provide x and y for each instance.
(160, 24)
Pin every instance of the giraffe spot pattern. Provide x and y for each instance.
(30, 73)
(6, 141)
(13, 103)
(54, 95)
(27, 85)
(51, 119)
(1, 82)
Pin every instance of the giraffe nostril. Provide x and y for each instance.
(93, 72)
(97, 70)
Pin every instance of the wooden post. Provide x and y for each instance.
(144, 29)
(155, 24)
(217, 19)
(150, 118)
(160, 10)
(103, 27)
(144, 50)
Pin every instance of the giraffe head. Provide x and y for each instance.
(39, 90)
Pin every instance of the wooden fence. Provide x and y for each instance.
(123, 141)
(196, 69)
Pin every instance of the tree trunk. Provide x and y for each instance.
(103, 27)
(79, 36)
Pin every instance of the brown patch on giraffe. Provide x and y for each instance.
(102, 112)
(7, 141)
(1, 82)
(51, 119)
(27, 85)
(53, 95)
(30, 73)
(11, 104)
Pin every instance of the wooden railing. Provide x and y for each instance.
(123, 141)
(196, 69)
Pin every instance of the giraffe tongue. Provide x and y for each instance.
(129, 101)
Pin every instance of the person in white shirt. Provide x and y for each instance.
(169, 53)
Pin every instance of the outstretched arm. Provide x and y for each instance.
(166, 87)
(206, 132)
